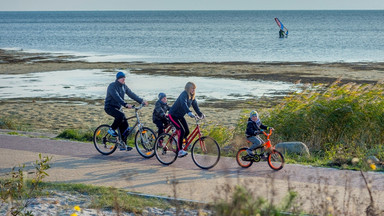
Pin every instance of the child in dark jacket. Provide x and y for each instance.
(159, 116)
(254, 127)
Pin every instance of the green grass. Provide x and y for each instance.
(78, 135)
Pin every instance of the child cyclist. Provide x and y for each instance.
(179, 109)
(254, 127)
(159, 116)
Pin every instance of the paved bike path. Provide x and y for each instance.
(77, 162)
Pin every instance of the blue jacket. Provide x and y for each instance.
(115, 95)
(182, 105)
(254, 128)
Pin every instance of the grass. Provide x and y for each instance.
(13, 123)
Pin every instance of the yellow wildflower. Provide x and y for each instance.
(77, 208)
(373, 166)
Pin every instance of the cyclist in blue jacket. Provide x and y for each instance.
(114, 102)
(181, 107)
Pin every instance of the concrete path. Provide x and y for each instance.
(76, 162)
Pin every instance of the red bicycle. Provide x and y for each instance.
(274, 158)
(205, 151)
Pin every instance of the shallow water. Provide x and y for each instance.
(92, 84)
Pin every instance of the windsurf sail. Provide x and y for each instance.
(282, 28)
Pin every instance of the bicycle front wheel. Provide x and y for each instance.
(276, 160)
(241, 158)
(145, 141)
(166, 149)
(205, 152)
(103, 141)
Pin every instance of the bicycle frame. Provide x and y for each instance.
(267, 145)
(196, 132)
(137, 117)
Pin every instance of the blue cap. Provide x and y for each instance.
(162, 95)
(120, 75)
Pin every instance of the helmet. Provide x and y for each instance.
(162, 95)
(253, 113)
(120, 75)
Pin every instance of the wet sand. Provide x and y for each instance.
(55, 115)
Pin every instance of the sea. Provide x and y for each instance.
(182, 36)
(199, 36)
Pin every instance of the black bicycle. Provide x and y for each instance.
(144, 139)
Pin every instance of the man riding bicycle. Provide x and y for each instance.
(114, 101)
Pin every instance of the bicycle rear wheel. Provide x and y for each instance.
(103, 141)
(205, 152)
(166, 149)
(240, 158)
(276, 160)
(145, 140)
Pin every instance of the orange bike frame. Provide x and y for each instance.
(268, 145)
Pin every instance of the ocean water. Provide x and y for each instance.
(198, 36)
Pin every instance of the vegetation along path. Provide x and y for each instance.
(76, 162)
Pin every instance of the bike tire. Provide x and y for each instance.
(276, 160)
(239, 155)
(103, 141)
(205, 152)
(166, 149)
(145, 140)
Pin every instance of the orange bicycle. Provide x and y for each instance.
(205, 151)
(274, 158)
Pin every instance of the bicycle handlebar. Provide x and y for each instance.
(267, 134)
(139, 107)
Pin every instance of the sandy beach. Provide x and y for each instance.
(54, 115)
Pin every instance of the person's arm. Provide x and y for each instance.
(196, 108)
(132, 95)
(264, 127)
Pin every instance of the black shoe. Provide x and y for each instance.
(129, 148)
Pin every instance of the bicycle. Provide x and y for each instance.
(274, 158)
(205, 151)
(144, 139)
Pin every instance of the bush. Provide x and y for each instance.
(350, 114)
(78, 135)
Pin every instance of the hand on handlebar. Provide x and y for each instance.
(191, 115)
(129, 106)
(144, 103)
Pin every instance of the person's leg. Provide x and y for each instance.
(118, 115)
(160, 127)
(177, 124)
(184, 125)
(256, 142)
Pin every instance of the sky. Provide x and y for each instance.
(65, 5)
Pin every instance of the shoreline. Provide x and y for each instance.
(56, 114)
(19, 62)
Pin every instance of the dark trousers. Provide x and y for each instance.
(120, 119)
(160, 126)
(182, 126)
